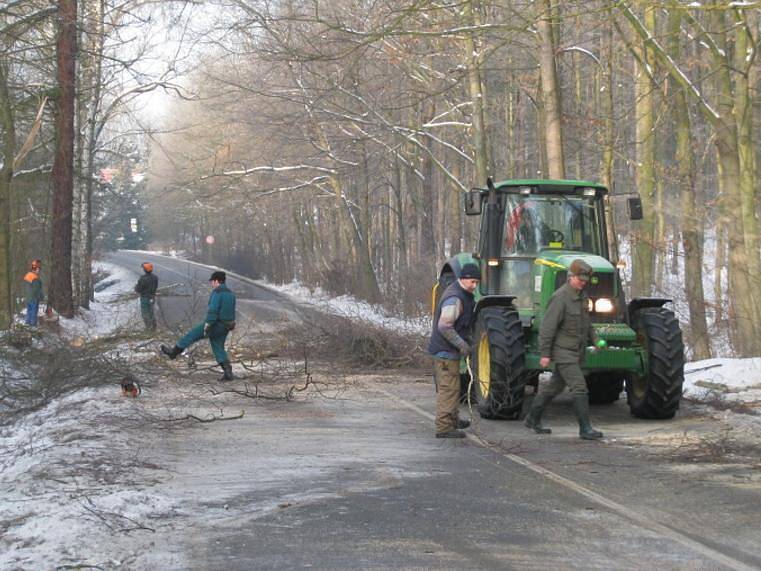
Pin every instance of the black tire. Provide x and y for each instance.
(605, 388)
(498, 362)
(656, 395)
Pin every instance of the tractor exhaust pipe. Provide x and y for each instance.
(493, 234)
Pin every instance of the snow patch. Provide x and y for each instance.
(350, 307)
(732, 380)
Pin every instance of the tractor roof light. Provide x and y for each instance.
(589, 192)
(621, 264)
(525, 190)
(492, 263)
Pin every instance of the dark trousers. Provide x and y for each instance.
(217, 336)
(146, 311)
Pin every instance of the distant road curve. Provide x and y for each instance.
(186, 302)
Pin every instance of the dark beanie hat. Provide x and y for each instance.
(218, 276)
(470, 272)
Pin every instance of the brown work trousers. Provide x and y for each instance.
(447, 374)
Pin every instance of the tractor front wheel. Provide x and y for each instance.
(656, 394)
(498, 361)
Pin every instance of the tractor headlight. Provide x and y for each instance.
(604, 305)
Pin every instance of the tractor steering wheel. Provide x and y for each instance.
(556, 235)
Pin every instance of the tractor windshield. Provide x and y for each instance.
(535, 222)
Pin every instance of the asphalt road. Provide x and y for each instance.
(184, 291)
(355, 480)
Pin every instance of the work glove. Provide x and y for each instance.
(463, 348)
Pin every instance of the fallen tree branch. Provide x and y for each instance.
(210, 418)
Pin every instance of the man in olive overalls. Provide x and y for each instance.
(564, 333)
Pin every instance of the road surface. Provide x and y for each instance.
(353, 479)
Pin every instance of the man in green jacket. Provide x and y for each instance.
(565, 331)
(220, 320)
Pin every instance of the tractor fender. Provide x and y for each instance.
(640, 302)
(493, 300)
(454, 265)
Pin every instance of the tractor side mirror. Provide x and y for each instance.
(473, 202)
(635, 208)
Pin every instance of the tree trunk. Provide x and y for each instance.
(63, 165)
(475, 86)
(643, 256)
(550, 92)
(7, 126)
(454, 198)
(691, 225)
(399, 210)
(743, 114)
(608, 142)
(89, 108)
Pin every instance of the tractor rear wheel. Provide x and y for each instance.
(498, 362)
(656, 394)
(604, 388)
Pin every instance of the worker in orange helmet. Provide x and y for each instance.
(34, 293)
(146, 288)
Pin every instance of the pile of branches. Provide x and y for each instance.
(354, 342)
(50, 370)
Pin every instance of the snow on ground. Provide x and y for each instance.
(111, 310)
(732, 380)
(349, 306)
(65, 483)
(61, 467)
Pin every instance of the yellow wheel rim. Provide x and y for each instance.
(484, 365)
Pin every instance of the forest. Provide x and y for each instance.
(331, 142)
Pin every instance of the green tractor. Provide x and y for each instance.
(531, 231)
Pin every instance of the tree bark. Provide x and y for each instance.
(690, 222)
(550, 92)
(643, 250)
(6, 176)
(475, 86)
(60, 293)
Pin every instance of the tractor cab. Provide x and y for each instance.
(540, 221)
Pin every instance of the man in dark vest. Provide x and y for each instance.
(565, 331)
(450, 341)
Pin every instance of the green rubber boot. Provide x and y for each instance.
(534, 416)
(581, 407)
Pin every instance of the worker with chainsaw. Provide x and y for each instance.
(220, 320)
(34, 295)
(450, 341)
(563, 336)
(146, 288)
